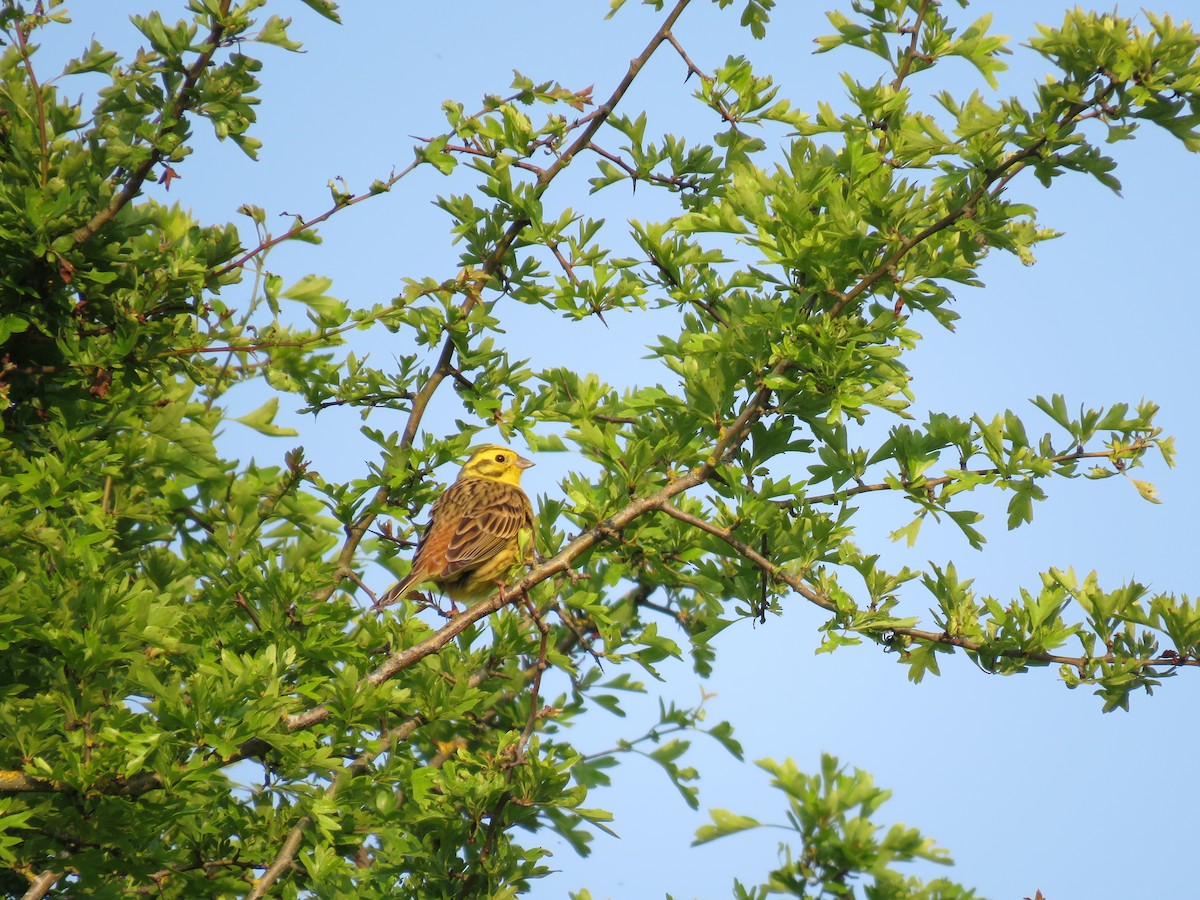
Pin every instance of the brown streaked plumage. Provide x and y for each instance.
(474, 535)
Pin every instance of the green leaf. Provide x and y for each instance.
(274, 31)
(1146, 489)
(326, 8)
(262, 420)
(724, 823)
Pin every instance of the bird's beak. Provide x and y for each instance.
(523, 463)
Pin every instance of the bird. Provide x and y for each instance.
(478, 530)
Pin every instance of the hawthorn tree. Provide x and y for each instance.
(193, 698)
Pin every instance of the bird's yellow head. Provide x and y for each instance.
(497, 463)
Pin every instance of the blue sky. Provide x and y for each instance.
(1025, 782)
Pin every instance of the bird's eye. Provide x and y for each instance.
(500, 457)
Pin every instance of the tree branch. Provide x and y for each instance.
(303, 225)
(283, 860)
(23, 33)
(41, 885)
(14, 782)
(286, 856)
(931, 483)
(471, 887)
(945, 638)
(911, 53)
(1002, 173)
(178, 107)
(773, 571)
(668, 181)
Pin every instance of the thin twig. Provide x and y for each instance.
(23, 48)
(677, 182)
(261, 346)
(303, 225)
(911, 54)
(372, 400)
(721, 109)
(745, 550)
(929, 484)
(568, 267)
(477, 151)
(210, 866)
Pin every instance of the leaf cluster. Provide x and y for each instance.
(840, 852)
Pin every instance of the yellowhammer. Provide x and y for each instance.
(478, 530)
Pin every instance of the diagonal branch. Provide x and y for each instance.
(302, 225)
(286, 856)
(929, 484)
(1000, 175)
(1012, 164)
(178, 107)
(731, 439)
(41, 885)
(944, 638)
(773, 571)
(23, 32)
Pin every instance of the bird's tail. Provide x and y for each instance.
(394, 593)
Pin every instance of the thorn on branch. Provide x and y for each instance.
(461, 380)
(692, 68)
(577, 631)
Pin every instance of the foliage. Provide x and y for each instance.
(193, 702)
(831, 813)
